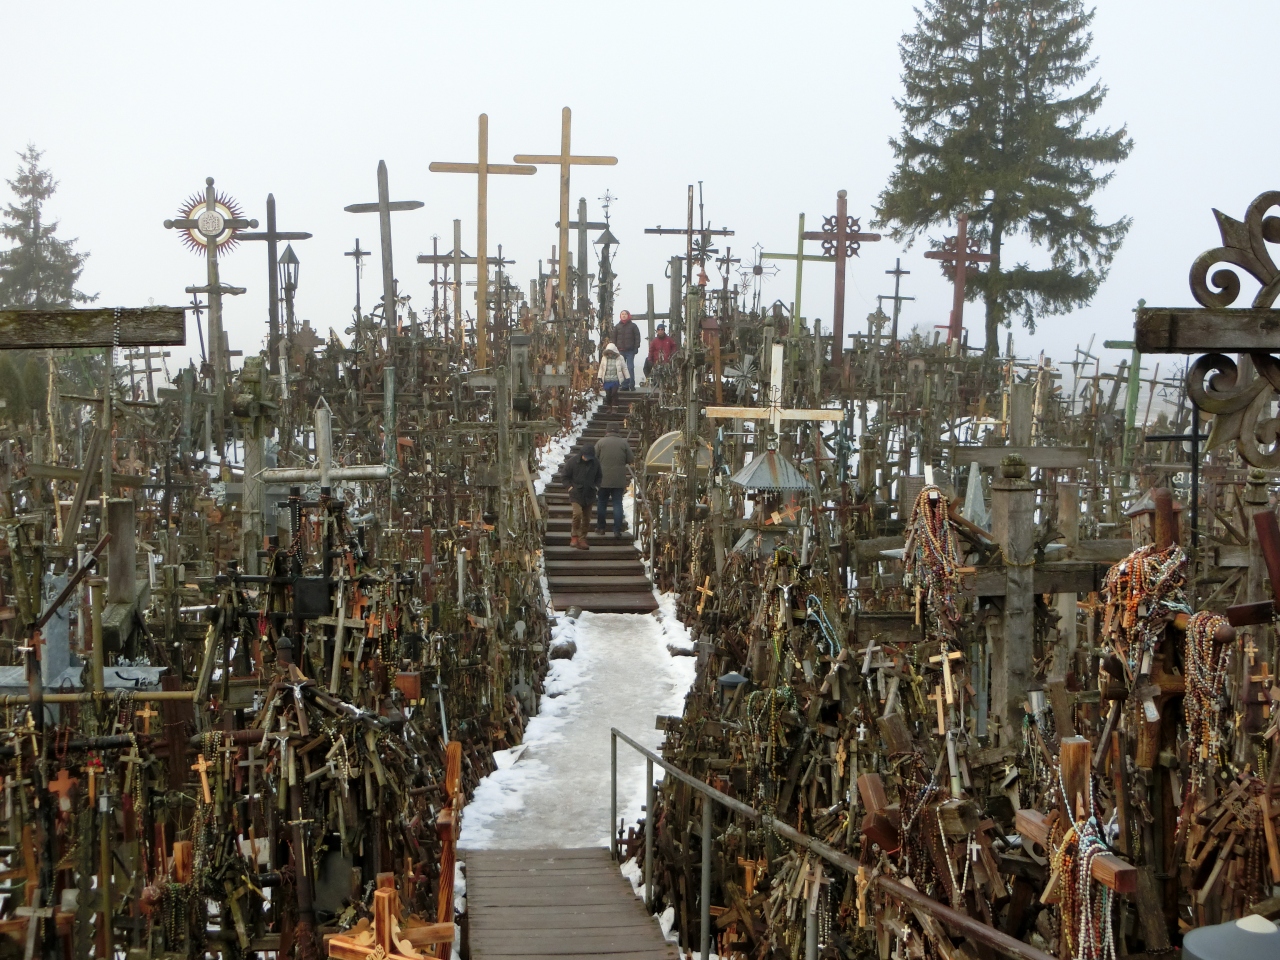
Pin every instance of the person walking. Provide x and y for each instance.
(611, 373)
(613, 454)
(583, 474)
(626, 335)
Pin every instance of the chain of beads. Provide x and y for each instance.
(1140, 592)
(931, 558)
(1205, 678)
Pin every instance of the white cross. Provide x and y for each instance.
(773, 411)
(325, 471)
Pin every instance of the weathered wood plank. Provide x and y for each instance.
(27, 329)
(1046, 458)
(1194, 330)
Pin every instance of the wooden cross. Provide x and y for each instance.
(750, 870)
(272, 236)
(960, 251)
(939, 696)
(387, 938)
(706, 592)
(62, 786)
(946, 659)
(841, 236)
(1251, 649)
(582, 225)
(324, 471)
(872, 647)
(799, 257)
(203, 767)
(132, 758)
(93, 767)
(482, 168)
(384, 208)
(773, 411)
(146, 713)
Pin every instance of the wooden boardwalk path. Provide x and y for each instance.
(608, 578)
(569, 904)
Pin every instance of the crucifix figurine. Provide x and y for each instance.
(482, 168)
(960, 251)
(384, 208)
(841, 237)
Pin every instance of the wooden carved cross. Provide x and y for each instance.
(272, 236)
(960, 251)
(841, 237)
(146, 713)
(482, 168)
(938, 696)
(946, 659)
(62, 785)
(706, 592)
(203, 766)
(384, 208)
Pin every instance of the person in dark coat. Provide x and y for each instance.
(614, 454)
(583, 474)
(626, 336)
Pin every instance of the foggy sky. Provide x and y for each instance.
(773, 106)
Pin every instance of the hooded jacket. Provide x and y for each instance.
(613, 369)
(626, 335)
(583, 476)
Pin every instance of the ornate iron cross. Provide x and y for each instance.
(841, 236)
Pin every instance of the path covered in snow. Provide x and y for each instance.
(556, 792)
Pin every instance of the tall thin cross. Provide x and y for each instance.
(799, 257)
(482, 168)
(960, 251)
(272, 236)
(358, 255)
(458, 258)
(384, 208)
(841, 236)
(212, 225)
(704, 233)
(897, 273)
(565, 160)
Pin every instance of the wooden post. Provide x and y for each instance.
(1069, 526)
(1013, 501)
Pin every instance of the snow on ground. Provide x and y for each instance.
(556, 793)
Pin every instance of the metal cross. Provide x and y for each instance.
(359, 256)
(897, 273)
(841, 237)
(959, 251)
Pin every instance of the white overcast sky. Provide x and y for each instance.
(774, 106)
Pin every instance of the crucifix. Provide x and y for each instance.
(582, 225)
(897, 273)
(272, 236)
(202, 766)
(359, 255)
(706, 592)
(841, 237)
(702, 247)
(212, 230)
(482, 168)
(959, 251)
(566, 160)
(384, 208)
(799, 257)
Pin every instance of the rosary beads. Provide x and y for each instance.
(931, 558)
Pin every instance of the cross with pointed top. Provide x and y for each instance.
(272, 236)
(384, 208)
(482, 168)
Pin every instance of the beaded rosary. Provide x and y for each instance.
(931, 558)
(1141, 594)
(1202, 704)
(1086, 919)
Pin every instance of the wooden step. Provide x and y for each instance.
(600, 567)
(606, 602)
(593, 584)
(612, 551)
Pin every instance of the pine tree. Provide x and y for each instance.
(997, 98)
(39, 270)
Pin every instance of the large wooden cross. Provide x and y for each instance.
(482, 168)
(324, 471)
(959, 251)
(774, 412)
(565, 160)
(1020, 416)
(841, 237)
(384, 208)
(272, 236)
(1241, 405)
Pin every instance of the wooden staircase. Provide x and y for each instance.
(608, 578)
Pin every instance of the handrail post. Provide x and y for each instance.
(706, 878)
(810, 933)
(649, 797)
(613, 795)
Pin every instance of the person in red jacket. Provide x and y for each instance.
(661, 347)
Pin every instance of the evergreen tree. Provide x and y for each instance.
(39, 270)
(997, 97)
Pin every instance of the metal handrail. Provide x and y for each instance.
(996, 939)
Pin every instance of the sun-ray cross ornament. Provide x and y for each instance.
(754, 274)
